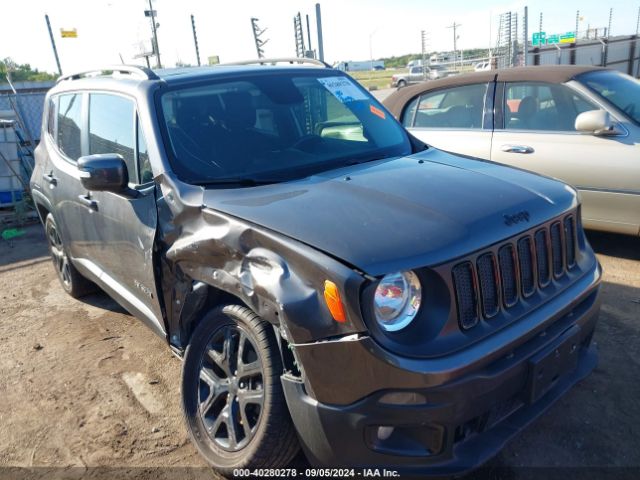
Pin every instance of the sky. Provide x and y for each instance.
(353, 29)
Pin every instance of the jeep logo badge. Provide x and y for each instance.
(516, 218)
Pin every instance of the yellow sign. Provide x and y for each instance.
(73, 33)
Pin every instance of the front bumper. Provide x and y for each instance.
(442, 422)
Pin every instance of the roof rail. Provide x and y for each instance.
(274, 61)
(134, 70)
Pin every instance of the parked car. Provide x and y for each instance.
(580, 124)
(414, 75)
(417, 74)
(482, 66)
(328, 280)
(440, 71)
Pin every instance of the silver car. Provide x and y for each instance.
(580, 124)
(415, 74)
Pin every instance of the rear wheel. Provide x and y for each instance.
(232, 397)
(71, 280)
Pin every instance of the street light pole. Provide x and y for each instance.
(371, 54)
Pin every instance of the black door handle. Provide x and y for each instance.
(88, 201)
(50, 179)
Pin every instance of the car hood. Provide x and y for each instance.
(401, 213)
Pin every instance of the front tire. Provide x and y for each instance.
(232, 396)
(401, 84)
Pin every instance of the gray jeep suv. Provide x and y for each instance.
(329, 281)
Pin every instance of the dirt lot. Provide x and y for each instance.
(85, 387)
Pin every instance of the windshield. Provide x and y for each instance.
(274, 127)
(621, 90)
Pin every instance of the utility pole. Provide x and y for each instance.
(257, 33)
(154, 26)
(455, 42)
(319, 30)
(514, 26)
(53, 44)
(526, 35)
(610, 18)
(577, 23)
(195, 38)
(309, 35)
(638, 22)
(540, 27)
(299, 35)
(424, 36)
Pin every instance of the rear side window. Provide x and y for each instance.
(457, 107)
(111, 128)
(51, 118)
(69, 115)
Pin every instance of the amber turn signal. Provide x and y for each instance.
(334, 303)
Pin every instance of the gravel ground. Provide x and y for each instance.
(86, 388)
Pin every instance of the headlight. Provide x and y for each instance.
(397, 300)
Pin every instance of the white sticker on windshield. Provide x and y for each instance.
(343, 89)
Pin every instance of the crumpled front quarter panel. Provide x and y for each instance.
(279, 278)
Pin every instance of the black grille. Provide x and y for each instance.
(508, 276)
(488, 285)
(525, 260)
(479, 290)
(466, 295)
(556, 249)
(570, 240)
(542, 258)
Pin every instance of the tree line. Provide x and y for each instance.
(22, 72)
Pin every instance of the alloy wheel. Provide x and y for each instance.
(231, 388)
(58, 255)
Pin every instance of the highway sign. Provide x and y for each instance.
(539, 38)
(551, 39)
(569, 37)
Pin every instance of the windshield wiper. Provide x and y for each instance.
(367, 158)
(243, 182)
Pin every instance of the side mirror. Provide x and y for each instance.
(103, 172)
(596, 122)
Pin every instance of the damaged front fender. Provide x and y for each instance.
(279, 278)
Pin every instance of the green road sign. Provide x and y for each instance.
(539, 38)
(553, 39)
(569, 37)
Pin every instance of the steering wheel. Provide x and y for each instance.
(630, 109)
(305, 139)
